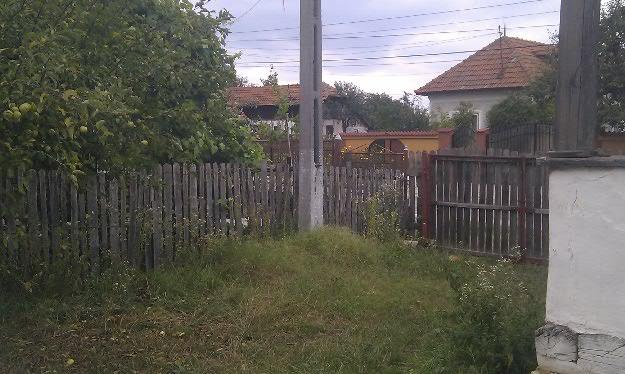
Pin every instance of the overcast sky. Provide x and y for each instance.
(438, 28)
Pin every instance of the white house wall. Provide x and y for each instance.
(483, 101)
(337, 125)
(586, 287)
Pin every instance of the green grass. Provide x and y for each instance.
(324, 302)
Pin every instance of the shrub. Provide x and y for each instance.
(516, 110)
(494, 320)
(381, 215)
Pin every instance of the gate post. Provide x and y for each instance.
(425, 195)
(523, 208)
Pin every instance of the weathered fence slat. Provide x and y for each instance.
(193, 204)
(114, 219)
(490, 204)
(157, 216)
(123, 217)
(178, 211)
(168, 214)
(209, 198)
(92, 222)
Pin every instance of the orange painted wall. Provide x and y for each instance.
(427, 144)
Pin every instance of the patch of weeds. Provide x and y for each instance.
(496, 314)
(382, 215)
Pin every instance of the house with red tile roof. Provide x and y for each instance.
(505, 66)
(260, 104)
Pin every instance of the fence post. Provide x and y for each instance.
(425, 195)
(337, 144)
(523, 208)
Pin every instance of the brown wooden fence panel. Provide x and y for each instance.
(146, 218)
(494, 204)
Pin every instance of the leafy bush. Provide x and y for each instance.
(381, 215)
(115, 84)
(514, 110)
(495, 318)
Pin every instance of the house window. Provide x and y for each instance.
(329, 130)
(476, 121)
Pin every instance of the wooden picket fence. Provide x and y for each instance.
(348, 191)
(144, 218)
(495, 204)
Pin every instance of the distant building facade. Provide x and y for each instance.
(261, 105)
(487, 77)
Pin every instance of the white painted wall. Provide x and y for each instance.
(586, 287)
(337, 125)
(482, 100)
(275, 124)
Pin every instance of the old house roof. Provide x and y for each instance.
(505, 63)
(270, 96)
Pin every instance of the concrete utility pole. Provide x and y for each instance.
(576, 96)
(310, 111)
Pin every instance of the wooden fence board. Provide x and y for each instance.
(236, 198)
(157, 216)
(133, 226)
(186, 205)
(53, 210)
(201, 199)
(114, 219)
(145, 254)
(168, 213)
(210, 211)
(243, 196)
(193, 204)
(178, 210)
(33, 219)
(123, 216)
(103, 210)
(223, 198)
(92, 221)
(43, 208)
(217, 216)
(264, 185)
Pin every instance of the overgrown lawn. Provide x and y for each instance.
(324, 302)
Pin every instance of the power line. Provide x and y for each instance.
(477, 20)
(356, 65)
(393, 57)
(450, 11)
(373, 46)
(247, 11)
(387, 35)
(449, 23)
(423, 44)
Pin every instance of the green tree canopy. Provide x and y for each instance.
(536, 104)
(272, 78)
(382, 112)
(612, 67)
(115, 84)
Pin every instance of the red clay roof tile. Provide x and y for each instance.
(506, 63)
(269, 96)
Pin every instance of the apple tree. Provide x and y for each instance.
(115, 85)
